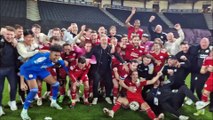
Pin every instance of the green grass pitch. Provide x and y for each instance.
(82, 112)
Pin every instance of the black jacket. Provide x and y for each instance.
(154, 35)
(8, 54)
(103, 57)
(197, 56)
(179, 76)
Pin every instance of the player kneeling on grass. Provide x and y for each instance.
(78, 74)
(135, 96)
(35, 68)
(208, 88)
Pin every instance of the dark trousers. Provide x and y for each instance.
(199, 84)
(10, 74)
(194, 77)
(106, 76)
(175, 102)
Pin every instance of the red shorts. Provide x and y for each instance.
(52, 71)
(62, 73)
(84, 80)
(209, 85)
(137, 99)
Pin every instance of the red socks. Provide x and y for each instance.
(204, 98)
(73, 94)
(39, 91)
(115, 92)
(62, 90)
(151, 114)
(116, 107)
(86, 93)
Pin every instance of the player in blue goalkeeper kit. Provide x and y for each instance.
(35, 68)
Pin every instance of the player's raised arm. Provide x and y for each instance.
(127, 22)
(149, 82)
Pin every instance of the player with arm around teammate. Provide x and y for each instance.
(135, 95)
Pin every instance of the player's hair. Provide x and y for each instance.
(133, 72)
(148, 56)
(82, 60)
(94, 31)
(112, 27)
(66, 44)
(87, 29)
(10, 28)
(137, 20)
(87, 42)
(17, 26)
(133, 61)
(157, 43)
(124, 35)
(36, 26)
(113, 38)
(56, 48)
(54, 38)
(135, 35)
(28, 32)
(56, 29)
(184, 43)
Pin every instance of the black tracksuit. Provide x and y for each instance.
(168, 100)
(154, 35)
(102, 70)
(143, 71)
(198, 80)
(179, 76)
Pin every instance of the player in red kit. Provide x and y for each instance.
(160, 57)
(70, 55)
(120, 74)
(133, 28)
(208, 87)
(137, 84)
(134, 50)
(78, 74)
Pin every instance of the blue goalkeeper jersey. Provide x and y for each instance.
(39, 62)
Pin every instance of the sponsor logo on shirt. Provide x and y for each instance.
(39, 60)
(30, 75)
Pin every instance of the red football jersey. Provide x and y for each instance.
(77, 73)
(162, 57)
(46, 47)
(138, 86)
(70, 58)
(123, 74)
(133, 52)
(208, 61)
(131, 30)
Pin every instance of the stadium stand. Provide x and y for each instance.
(13, 8)
(12, 12)
(143, 16)
(61, 15)
(188, 20)
(91, 16)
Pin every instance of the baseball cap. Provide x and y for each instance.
(145, 35)
(173, 57)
